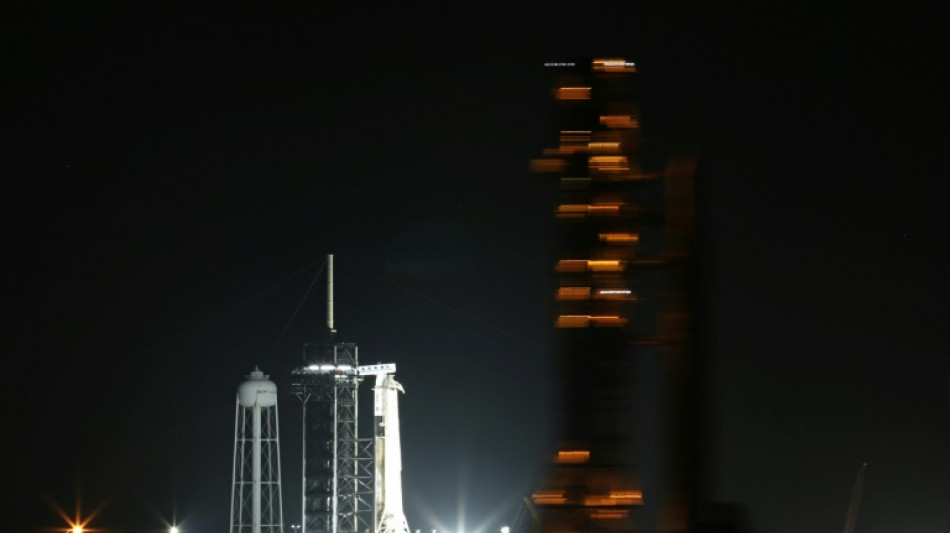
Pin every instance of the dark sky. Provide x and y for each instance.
(175, 174)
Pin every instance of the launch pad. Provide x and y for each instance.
(350, 484)
(359, 488)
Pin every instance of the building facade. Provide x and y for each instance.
(623, 323)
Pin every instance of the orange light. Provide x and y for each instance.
(573, 293)
(613, 65)
(76, 523)
(605, 265)
(572, 265)
(597, 321)
(626, 497)
(608, 321)
(580, 210)
(574, 141)
(620, 121)
(572, 93)
(548, 165)
(573, 456)
(619, 238)
(603, 147)
(596, 501)
(608, 163)
(548, 497)
(615, 497)
(572, 321)
(604, 209)
(608, 514)
(572, 210)
(592, 265)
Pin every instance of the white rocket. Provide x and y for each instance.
(390, 517)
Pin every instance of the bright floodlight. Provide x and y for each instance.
(173, 529)
(505, 529)
(77, 529)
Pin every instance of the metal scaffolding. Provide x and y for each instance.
(337, 465)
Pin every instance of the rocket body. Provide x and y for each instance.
(390, 517)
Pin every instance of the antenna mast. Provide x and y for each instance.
(330, 329)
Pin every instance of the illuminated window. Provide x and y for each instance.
(573, 456)
(572, 265)
(608, 514)
(549, 497)
(573, 93)
(592, 265)
(608, 163)
(619, 238)
(584, 321)
(572, 210)
(613, 65)
(573, 321)
(604, 209)
(574, 141)
(608, 321)
(580, 210)
(603, 147)
(614, 294)
(626, 497)
(614, 498)
(605, 265)
(548, 165)
(573, 293)
(620, 121)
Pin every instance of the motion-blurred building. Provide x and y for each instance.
(624, 325)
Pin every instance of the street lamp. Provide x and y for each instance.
(505, 529)
(173, 529)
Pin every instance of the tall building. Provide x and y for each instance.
(623, 326)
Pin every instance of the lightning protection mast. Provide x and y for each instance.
(337, 473)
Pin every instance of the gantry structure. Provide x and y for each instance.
(337, 472)
(338, 477)
(350, 484)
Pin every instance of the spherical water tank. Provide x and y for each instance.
(257, 390)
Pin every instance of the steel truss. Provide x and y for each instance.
(243, 473)
(337, 465)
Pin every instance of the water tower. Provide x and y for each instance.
(255, 494)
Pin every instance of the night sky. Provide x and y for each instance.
(174, 176)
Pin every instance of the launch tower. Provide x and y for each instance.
(350, 484)
(337, 474)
